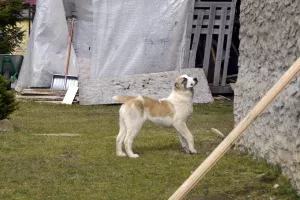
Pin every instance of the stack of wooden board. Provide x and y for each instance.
(44, 95)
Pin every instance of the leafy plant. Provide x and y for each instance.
(11, 36)
(8, 102)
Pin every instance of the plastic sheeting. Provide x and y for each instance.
(47, 49)
(136, 37)
(83, 34)
(113, 37)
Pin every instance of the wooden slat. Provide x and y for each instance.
(209, 39)
(54, 102)
(215, 4)
(192, 58)
(206, 21)
(197, 32)
(220, 90)
(236, 133)
(220, 49)
(228, 43)
(41, 98)
(196, 40)
(206, 11)
(215, 31)
(43, 92)
(188, 34)
(217, 22)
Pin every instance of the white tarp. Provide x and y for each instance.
(47, 49)
(115, 37)
(138, 36)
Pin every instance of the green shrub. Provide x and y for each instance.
(8, 102)
(11, 35)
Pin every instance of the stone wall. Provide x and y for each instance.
(156, 85)
(270, 43)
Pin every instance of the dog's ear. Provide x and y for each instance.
(176, 85)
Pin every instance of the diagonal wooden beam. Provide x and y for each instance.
(223, 147)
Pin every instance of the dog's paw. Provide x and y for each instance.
(193, 151)
(121, 154)
(133, 156)
(186, 150)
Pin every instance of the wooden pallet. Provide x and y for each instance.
(209, 19)
(44, 95)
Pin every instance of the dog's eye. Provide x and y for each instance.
(184, 80)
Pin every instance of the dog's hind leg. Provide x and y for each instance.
(120, 138)
(133, 129)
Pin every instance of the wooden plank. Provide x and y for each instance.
(206, 11)
(192, 58)
(197, 33)
(46, 99)
(70, 95)
(196, 41)
(206, 21)
(217, 71)
(216, 22)
(209, 39)
(188, 37)
(215, 31)
(53, 102)
(238, 130)
(40, 98)
(215, 4)
(228, 44)
(42, 92)
(221, 89)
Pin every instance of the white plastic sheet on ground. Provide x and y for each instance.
(135, 37)
(114, 37)
(47, 49)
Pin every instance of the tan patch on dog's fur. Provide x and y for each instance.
(133, 102)
(179, 84)
(160, 108)
(139, 105)
(156, 108)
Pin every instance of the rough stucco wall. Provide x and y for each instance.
(270, 43)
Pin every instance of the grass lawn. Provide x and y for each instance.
(35, 166)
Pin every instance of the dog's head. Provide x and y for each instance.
(185, 82)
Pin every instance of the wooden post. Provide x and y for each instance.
(223, 147)
(69, 53)
(69, 47)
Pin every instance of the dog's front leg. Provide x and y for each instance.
(183, 143)
(187, 135)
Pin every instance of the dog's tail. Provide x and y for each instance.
(123, 99)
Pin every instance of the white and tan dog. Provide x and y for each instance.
(172, 111)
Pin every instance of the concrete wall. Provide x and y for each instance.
(155, 85)
(270, 43)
